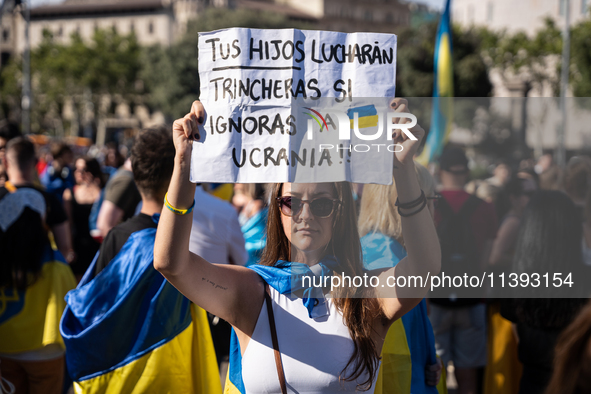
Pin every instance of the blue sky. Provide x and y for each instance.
(434, 3)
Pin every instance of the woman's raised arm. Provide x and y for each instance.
(418, 230)
(231, 292)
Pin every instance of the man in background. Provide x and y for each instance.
(19, 163)
(120, 200)
(58, 175)
(152, 163)
(216, 234)
(466, 226)
(8, 131)
(170, 349)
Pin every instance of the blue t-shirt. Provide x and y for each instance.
(57, 182)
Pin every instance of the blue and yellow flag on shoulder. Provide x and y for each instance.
(29, 319)
(410, 343)
(255, 235)
(443, 86)
(128, 330)
(409, 346)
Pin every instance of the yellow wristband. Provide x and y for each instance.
(176, 210)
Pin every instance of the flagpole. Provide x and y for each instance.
(561, 131)
(26, 98)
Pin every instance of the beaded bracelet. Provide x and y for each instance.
(176, 210)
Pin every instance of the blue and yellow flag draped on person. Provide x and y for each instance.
(410, 344)
(128, 330)
(29, 319)
(443, 87)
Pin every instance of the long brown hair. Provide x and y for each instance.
(572, 358)
(358, 309)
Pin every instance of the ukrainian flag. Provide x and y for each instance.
(234, 383)
(410, 344)
(129, 330)
(442, 112)
(29, 319)
(225, 191)
(367, 116)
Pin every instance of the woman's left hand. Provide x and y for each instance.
(433, 373)
(409, 146)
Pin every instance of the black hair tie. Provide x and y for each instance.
(423, 205)
(411, 204)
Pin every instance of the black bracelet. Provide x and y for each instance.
(413, 203)
(405, 215)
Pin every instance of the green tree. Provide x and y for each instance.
(10, 89)
(85, 73)
(171, 75)
(581, 59)
(537, 59)
(416, 47)
(52, 82)
(534, 59)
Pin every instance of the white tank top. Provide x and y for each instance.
(313, 351)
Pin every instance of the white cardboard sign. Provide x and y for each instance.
(275, 100)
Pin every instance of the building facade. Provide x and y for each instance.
(519, 16)
(8, 29)
(513, 16)
(153, 21)
(538, 116)
(380, 16)
(164, 21)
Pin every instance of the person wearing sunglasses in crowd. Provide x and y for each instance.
(325, 344)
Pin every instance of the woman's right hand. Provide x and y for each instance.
(410, 147)
(186, 130)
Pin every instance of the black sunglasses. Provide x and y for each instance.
(321, 207)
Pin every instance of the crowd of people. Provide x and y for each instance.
(119, 275)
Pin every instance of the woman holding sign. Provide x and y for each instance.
(308, 343)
